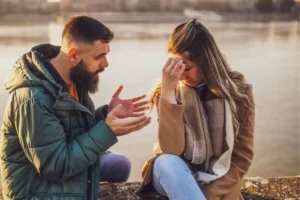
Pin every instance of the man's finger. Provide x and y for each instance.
(137, 114)
(143, 103)
(138, 98)
(139, 126)
(132, 120)
(141, 109)
(113, 112)
(119, 90)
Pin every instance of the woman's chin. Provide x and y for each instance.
(188, 84)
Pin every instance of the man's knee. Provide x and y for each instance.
(123, 163)
(114, 168)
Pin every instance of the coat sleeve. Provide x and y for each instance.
(228, 186)
(170, 127)
(43, 140)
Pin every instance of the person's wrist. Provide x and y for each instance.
(108, 109)
(168, 94)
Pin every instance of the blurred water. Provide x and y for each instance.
(266, 53)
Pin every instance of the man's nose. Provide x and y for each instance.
(104, 63)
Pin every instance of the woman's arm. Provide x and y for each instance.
(170, 127)
(170, 114)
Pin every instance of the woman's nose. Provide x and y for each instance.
(182, 77)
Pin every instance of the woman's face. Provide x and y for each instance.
(192, 76)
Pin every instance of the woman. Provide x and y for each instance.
(206, 123)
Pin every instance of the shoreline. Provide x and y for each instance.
(50, 30)
(149, 17)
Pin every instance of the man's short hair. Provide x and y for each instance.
(84, 29)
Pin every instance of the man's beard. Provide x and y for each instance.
(84, 79)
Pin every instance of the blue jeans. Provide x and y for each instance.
(114, 167)
(172, 178)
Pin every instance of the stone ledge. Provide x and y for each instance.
(256, 188)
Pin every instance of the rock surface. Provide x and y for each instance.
(286, 188)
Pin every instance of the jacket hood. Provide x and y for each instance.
(31, 69)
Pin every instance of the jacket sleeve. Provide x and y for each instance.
(43, 140)
(229, 185)
(170, 127)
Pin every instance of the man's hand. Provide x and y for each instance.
(125, 126)
(130, 107)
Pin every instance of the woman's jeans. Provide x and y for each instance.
(173, 178)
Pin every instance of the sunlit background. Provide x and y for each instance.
(259, 38)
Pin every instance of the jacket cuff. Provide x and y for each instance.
(175, 109)
(101, 113)
(103, 136)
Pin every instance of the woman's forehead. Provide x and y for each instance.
(186, 55)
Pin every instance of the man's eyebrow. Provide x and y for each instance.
(102, 54)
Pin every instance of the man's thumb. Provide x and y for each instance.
(114, 111)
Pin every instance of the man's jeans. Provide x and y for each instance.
(114, 167)
(173, 178)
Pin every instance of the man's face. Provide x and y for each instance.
(92, 62)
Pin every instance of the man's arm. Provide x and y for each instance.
(43, 140)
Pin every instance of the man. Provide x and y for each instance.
(52, 137)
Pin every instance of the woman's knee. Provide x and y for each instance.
(168, 164)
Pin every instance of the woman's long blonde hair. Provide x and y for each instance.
(194, 38)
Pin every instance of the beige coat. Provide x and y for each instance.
(172, 141)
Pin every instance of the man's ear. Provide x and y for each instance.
(73, 55)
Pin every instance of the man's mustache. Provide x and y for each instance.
(98, 71)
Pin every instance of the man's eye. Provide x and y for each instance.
(187, 69)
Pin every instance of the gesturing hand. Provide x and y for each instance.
(127, 125)
(130, 107)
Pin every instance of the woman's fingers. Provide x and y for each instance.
(176, 68)
(171, 65)
(167, 63)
